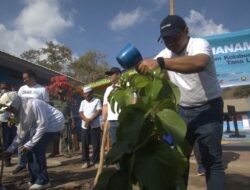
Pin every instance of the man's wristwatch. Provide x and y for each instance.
(161, 62)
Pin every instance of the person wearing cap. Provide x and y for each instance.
(42, 122)
(189, 64)
(107, 114)
(89, 111)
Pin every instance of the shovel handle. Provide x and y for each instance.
(102, 153)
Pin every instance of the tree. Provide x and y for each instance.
(54, 56)
(145, 155)
(89, 67)
(31, 55)
(58, 56)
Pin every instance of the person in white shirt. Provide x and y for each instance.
(89, 111)
(43, 122)
(30, 90)
(190, 65)
(107, 114)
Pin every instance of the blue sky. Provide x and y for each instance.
(107, 26)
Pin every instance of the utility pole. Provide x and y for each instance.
(171, 7)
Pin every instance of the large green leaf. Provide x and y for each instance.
(143, 102)
(184, 148)
(113, 180)
(145, 133)
(123, 97)
(113, 104)
(131, 121)
(162, 104)
(104, 179)
(156, 73)
(176, 91)
(172, 91)
(172, 123)
(140, 81)
(126, 163)
(153, 88)
(156, 166)
(116, 152)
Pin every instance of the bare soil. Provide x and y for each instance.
(67, 174)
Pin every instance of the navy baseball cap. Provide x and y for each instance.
(112, 71)
(171, 26)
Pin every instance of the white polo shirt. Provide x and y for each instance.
(196, 88)
(89, 109)
(111, 115)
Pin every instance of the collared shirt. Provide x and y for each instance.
(196, 88)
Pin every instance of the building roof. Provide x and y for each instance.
(14, 63)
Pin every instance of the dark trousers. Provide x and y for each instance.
(22, 156)
(91, 136)
(9, 133)
(197, 155)
(65, 141)
(37, 163)
(62, 142)
(113, 127)
(205, 126)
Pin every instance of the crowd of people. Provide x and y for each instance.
(189, 64)
(32, 119)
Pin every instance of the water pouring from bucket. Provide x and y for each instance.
(129, 57)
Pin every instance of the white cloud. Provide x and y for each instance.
(12, 41)
(41, 19)
(38, 22)
(127, 19)
(200, 26)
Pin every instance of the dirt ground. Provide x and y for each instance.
(67, 174)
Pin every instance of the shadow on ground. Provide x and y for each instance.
(237, 181)
(230, 157)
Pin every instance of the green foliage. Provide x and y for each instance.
(54, 56)
(145, 159)
(89, 67)
(31, 55)
(58, 56)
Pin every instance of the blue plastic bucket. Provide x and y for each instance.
(129, 56)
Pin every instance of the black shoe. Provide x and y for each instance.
(18, 169)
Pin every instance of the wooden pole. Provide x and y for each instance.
(102, 153)
(171, 7)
